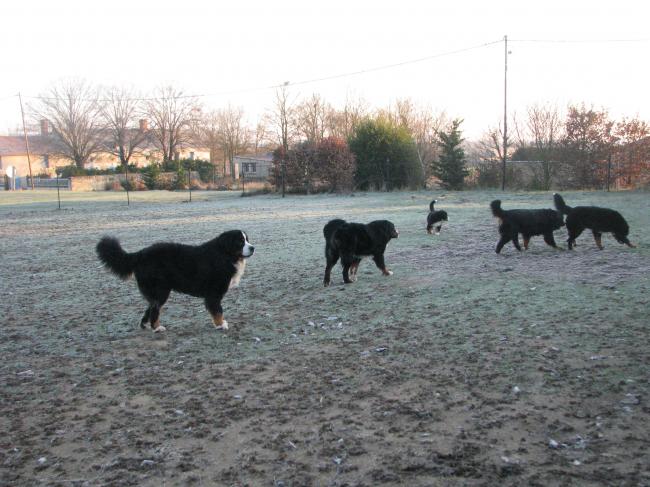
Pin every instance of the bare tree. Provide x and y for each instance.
(311, 117)
(125, 134)
(171, 113)
(281, 118)
(233, 134)
(260, 136)
(342, 123)
(206, 132)
(74, 110)
(545, 128)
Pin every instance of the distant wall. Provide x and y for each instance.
(99, 183)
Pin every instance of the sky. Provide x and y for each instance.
(561, 52)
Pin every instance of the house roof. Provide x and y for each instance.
(13, 145)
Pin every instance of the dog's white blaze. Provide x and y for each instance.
(246, 252)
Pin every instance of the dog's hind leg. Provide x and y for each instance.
(574, 233)
(347, 261)
(354, 267)
(332, 257)
(145, 318)
(598, 237)
(515, 242)
(550, 240)
(502, 241)
(154, 317)
(155, 304)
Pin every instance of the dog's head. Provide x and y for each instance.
(235, 243)
(386, 228)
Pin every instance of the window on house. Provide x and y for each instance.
(191, 156)
(46, 161)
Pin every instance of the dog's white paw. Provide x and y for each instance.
(159, 329)
(223, 326)
(389, 273)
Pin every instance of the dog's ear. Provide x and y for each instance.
(390, 230)
(231, 243)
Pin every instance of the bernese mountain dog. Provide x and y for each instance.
(353, 241)
(526, 222)
(206, 271)
(598, 220)
(435, 218)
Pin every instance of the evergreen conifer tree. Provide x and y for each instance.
(450, 166)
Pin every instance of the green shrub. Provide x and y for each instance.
(151, 175)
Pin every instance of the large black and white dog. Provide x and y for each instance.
(353, 241)
(526, 222)
(435, 218)
(598, 220)
(206, 271)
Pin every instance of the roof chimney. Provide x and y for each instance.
(144, 125)
(45, 128)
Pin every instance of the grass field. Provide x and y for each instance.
(463, 368)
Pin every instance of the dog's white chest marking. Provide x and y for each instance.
(240, 265)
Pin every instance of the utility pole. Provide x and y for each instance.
(283, 175)
(609, 170)
(505, 114)
(29, 159)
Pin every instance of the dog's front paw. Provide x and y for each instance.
(159, 329)
(388, 273)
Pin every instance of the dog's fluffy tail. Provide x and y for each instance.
(560, 204)
(118, 261)
(431, 205)
(331, 227)
(497, 211)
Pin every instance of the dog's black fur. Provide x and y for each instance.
(352, 241)
(435, 216)
(598, 220)
(526, 222)
(205, 271)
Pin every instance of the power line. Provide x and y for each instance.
(353, 73)
(296, 83)
(396, 65)
(580, 41)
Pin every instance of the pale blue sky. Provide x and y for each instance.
(217, 47)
